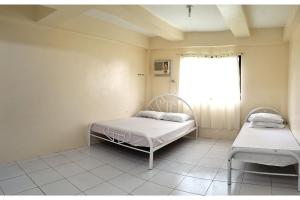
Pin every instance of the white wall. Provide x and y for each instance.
(264, 67)
(294, 84)
(54, 83)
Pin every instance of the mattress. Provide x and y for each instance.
(262, 139)
(136, 130)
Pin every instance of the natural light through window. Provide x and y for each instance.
(210, 80)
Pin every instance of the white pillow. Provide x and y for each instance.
(150, 114)
(265, 125)
(265, 117)
(175, 117)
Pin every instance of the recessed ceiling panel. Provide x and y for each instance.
(203, 17)
(267, 16)
(103, 16)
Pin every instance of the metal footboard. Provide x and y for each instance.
(164, 103)
(151, 150)
(265, 152)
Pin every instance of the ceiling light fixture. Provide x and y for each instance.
(189, 7)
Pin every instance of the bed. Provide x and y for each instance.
(266, 146)
(146, 134)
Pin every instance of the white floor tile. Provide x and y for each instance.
(149, 188)
(10, 171)
(235, 164)
(285, 185)
(89, 163)
(203, 172)
(258, 179)
(85, 180)
(106, 172)
(89, 169)
(284, 191)
(143, 172)
(55, 159)
(194, 185)
(16, 185)
(33, 165)
(249, 189)
(222, 188)
(211, 162)
(62, 187)
(176, 167)
(45, 176)
(124, 164)
(104, 157)
(69, 169)
(31, 192)
(127, 182)
(105, 189)
(167, 179)
(191, 159)
(236, 176)
(284, 181)
(215, 153)
(73, 155)
(180, 193)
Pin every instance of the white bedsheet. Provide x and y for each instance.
(134, 130)
(266, 139)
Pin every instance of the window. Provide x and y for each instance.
(212, 87)
(208, 80)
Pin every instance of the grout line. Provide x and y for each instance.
(208, 187)
(50, 167)
(121, 188)
(12, 177)
(30, 189)
(69, 177)
(1, 191)
(109, 163)
(34, 170)
(188, 192)
(27, 174)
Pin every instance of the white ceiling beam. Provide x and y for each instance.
(235, 19)
(291, 23)
(139, 16)
(55, 14)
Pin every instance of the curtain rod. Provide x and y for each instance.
(211, 55)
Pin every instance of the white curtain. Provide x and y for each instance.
(212, 87)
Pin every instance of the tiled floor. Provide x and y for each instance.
(185, 167)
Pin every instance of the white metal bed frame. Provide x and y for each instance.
(163, 103)
(263, 152)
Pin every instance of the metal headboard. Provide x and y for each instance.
(171, 103)
(263, 109)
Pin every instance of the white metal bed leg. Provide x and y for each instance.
(298, 177)
(151, 159)
(89, 139)
(151, 152)
(229, 171)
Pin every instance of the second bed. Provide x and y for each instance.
(266, 146)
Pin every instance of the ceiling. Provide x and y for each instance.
(203, 17)
(270, 16)
(170, 22)
(103, 16)
(209, 18)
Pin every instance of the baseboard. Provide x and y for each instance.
(218, 133)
